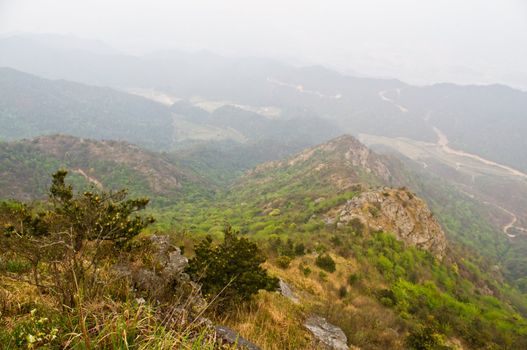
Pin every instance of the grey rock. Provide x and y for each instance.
(163, 277)
(287, 292)
(327, 333)
(147, 280)
(232, 338)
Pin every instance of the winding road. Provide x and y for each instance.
(443, 142)
(382, 95)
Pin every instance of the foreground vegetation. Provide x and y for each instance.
(67, 264)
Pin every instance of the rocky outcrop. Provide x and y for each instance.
(397, 211)
(233, 338)
(162, 275)
(287, 292)
(328, 334)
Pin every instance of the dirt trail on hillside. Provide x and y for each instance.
(92, 180)
(382, 95)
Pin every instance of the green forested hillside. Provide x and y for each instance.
(25, 167)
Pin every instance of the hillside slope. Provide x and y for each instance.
(27, 164)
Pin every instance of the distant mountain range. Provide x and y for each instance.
(485, 120)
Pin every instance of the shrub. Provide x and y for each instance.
(305, 270)
(374, 211)
(36, 332)
(283, 261)
(336, 241)
(300, 249)
(387, 297)
(357, 226)
(275, 243)
(426, 338)
(326, 262)
(323, 276)
(352, 279)
(343, 291)
(288, 249)
(384, 264)
(231, 271)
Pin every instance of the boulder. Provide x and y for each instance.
(233, 338)
(287, 292)
(162, 276)
(329, 334)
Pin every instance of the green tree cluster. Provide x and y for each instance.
(230, 272)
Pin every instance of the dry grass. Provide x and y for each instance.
(273, 322)
(98, 323)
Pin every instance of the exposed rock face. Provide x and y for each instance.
(287, 292)
(164, 272)
(232, 337)
(327, 333)
(399, 212)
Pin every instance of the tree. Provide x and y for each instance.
(230, 272)
(71, 236)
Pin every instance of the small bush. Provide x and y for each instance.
(288, 249)
(283, 261)
(323, 276)
(275, 243)
(305, 270)
(374, 211)
(326, 262)
(36, 332)
(387, 297)
(300, 249)
(15, 265)
(357, 226)
(336, 241)
(426, 338)
(343, 291)
(352, 279)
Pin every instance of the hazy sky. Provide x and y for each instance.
(416, 40)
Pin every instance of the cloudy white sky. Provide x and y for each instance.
(420, 41)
